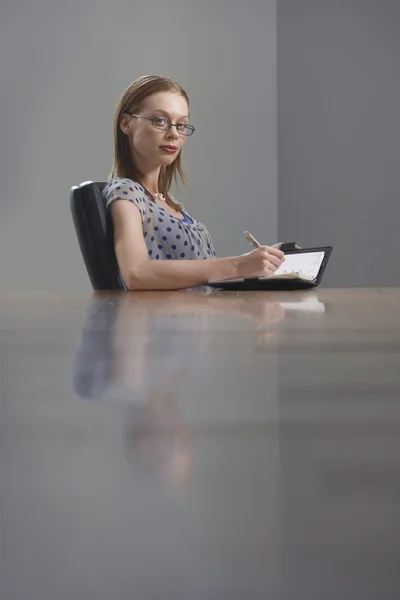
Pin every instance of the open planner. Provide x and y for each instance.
(301, 269)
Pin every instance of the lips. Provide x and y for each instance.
(170, 149)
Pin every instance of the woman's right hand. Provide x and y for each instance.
(261, 262)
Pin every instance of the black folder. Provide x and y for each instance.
(288, 280)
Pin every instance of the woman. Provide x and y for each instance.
(157, 242)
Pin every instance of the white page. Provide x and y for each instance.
(307, 264)
(307, 304)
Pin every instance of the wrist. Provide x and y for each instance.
(237, 267)
(224, 268)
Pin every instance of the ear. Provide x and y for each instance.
(125, 123)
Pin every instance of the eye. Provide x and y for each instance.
(160, 121)
(181, 127)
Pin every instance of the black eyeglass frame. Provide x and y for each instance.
(176, 125)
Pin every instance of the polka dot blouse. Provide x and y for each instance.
(167, 237)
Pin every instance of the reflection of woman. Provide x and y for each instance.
(155, 435)
(93, 361)
(139, 349)
(134, 344)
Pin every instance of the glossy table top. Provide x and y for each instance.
(200, 445)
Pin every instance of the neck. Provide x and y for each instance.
(150, 180)
(150, 174)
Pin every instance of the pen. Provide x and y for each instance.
(252, 239)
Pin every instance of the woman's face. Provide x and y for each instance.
(154, 147)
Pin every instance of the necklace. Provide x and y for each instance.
(159, 196)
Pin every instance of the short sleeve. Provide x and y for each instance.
(125, 189)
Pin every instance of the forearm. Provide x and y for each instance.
(180, 274)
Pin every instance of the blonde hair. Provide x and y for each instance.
(131, 101)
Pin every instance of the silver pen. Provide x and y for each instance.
(252, 239)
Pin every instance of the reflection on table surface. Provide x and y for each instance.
(201, 444)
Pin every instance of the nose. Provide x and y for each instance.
(172, 133)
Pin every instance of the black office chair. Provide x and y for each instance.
(94, 230)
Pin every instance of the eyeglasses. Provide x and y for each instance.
(164, 124)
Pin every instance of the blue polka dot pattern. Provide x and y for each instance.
(166, 238)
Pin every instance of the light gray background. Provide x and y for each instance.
(64, 66)
(339, 134)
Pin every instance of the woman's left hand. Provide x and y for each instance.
(279, 244)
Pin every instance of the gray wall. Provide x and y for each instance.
(339, 134)
(63, 68)
(64, 65)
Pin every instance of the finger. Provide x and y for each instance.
(264, 251)
(276, 258)
(275, 261)
(272, 268)
(276, 252)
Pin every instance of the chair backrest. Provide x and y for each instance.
(94, 230)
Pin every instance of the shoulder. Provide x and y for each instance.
(122, 188)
